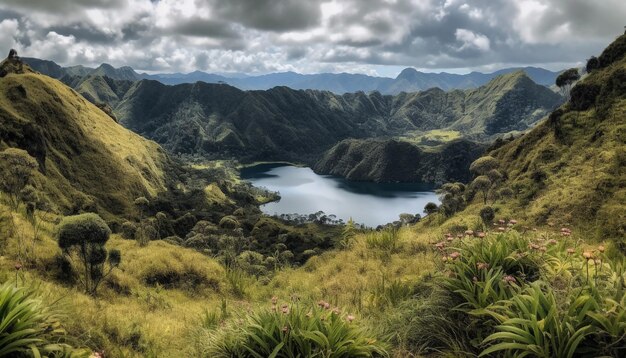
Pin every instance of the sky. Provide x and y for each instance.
(375, 37)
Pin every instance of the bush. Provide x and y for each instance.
(293, 330)
(83, 237)
(16, 171)
(386, 240)
(229, 222)
(128, 230)
(583, 96)
(430, 208)
(487, 214)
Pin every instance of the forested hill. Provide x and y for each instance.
(217, 120)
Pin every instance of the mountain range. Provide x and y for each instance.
(299, 125)
(220, 121)
(409, 80)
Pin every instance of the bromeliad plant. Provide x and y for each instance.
(531, 324)
(27, 325)
(294, 330)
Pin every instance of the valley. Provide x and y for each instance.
(328, 215)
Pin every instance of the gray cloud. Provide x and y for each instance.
(272, 15)
(312, 35)
(199, 27)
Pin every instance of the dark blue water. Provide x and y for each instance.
(304, 192)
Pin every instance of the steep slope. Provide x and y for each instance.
(285, 124)
(84, 157)
(398, 161)
(571, 169)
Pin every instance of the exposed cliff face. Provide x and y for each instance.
(398, 161)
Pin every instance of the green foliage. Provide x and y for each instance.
(16, 172)
(452, 198)
(483, 185)
(565, 80)
(83, 237)
(430, 208)
(386, 240)
(531, 324)
(483, 165)
(487, 214)
(293, 330)
(27, 325)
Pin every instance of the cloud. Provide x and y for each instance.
(310, 36)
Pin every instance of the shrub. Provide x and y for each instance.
(487, 214)
(386, 240)
(592, 64)
(229, 222)
(27, 326)
(583, 96)
(16, 171)
(146, 232)
(483, 165)
(430, 208)
(83, 237)
(128, 230)
(293, 330)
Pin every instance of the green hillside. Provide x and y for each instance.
(570, 170)
(76, 145)
(283, 124)
(382, 160)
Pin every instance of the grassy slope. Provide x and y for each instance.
(584, 170)
(77, 145)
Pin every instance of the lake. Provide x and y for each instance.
(304, 192)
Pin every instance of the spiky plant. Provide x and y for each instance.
(294, 330)
(27, 325)
(532, 324)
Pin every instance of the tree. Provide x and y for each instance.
(592, 64)
(565, 80)
(452, 199)
(482, 184)
(430, 208)
(487, 214)
(83, 237)
(142, 204)
(16, 172)
(483, 165)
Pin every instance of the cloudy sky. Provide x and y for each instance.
(377, 37)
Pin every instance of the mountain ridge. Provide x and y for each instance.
(409, 80)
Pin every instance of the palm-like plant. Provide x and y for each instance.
(26, 324)
(531, 324)
(294, 331)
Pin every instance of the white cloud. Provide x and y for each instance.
(310, 36)
(471, 40)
